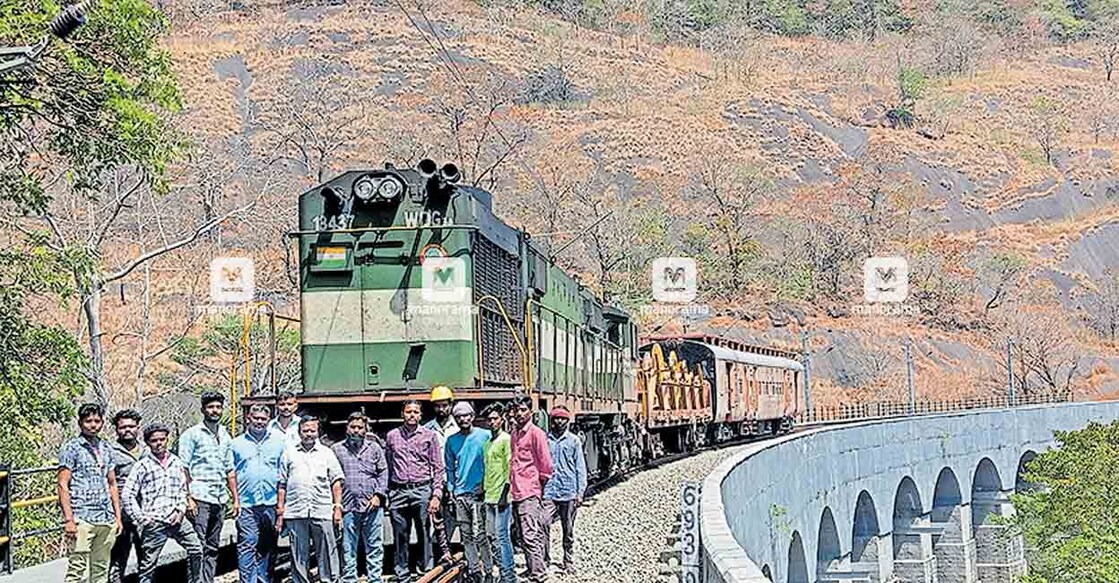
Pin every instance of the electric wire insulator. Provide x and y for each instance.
(68, 20)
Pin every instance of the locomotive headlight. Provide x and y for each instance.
(364, 188)
(390, 188)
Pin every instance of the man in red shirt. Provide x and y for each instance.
(529, 468)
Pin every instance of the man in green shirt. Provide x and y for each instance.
(495, 484)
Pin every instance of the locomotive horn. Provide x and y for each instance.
(449, 172)
(427, 168)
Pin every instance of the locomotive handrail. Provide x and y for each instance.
(529, 358)
(516, 338)
(244, 347)
(294, 234)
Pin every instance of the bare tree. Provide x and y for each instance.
(87, 228)
(557, 174)
(474, 131)
(730, 191)
(937, 284)
(1043, 351)
(1102, 307)
(1106, 38)
(1047, 125)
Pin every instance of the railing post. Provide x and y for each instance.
(5, 519)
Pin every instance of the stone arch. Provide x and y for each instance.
(997, 556)
(946, 495)
(913, 560)
(798, 566)
(907, 509)
(828, 549)
(864, 533)
(986, 487)
(954, 544)
(1020, 482)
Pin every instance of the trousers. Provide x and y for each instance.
(155, 535)
(366, 528)
(127, 540)
(256, 543)
(208, 526)
(470, 515)
(89, 553)
(501, 544)
(562, 511)
(408, 509)
(533, 522)
(321, 531)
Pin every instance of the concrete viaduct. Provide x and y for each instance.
(910, 500)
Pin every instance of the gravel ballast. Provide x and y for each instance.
(620, 535)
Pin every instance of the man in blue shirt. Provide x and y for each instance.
(206, 451)
(256, 460)
(563, 493)
(463, 457)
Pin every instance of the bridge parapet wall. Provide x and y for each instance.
(892, 500)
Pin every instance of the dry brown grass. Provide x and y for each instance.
(650, 109)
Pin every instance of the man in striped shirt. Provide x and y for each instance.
(155, 496)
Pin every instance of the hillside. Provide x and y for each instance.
(775, 161)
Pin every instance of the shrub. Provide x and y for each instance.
(547, 85)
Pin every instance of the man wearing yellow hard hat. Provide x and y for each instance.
(444, 426)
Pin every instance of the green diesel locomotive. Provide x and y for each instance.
(408, 280)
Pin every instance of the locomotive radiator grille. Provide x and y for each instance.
(498, 274)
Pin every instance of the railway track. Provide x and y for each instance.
(454, 572)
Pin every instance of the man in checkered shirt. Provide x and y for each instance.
(156, 498)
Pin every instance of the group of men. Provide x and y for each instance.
(280, 479)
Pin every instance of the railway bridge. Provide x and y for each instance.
(911, 500)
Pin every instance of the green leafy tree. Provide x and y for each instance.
(87, 109)
(998, 275)
(1068, 517)
(911, 85)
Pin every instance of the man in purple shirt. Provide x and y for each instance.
(415, 465)
(364, 491)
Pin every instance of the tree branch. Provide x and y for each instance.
(201, 230)
(120, 205)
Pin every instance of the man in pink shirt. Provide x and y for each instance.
(529, 468)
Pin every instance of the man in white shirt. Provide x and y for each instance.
(309, 502)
